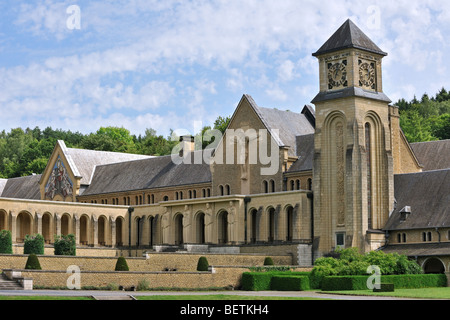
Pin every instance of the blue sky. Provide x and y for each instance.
(167, 64)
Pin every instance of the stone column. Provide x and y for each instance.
(58, 224)
(76, 219)
(113, 231)
(38, 222)
(95, 230)
(187, 231)
(13, 222)
(448, 278)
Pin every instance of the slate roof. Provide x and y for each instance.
(427, 194)
(305, 149)
(419, 249)
(86, 160)
(349, 36)
(149, 173)
(289, 124)
(22, 188)
(434, 155)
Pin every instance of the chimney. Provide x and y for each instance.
(187, 145)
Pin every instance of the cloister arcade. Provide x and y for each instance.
(216, 221)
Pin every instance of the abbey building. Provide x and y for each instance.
(341, 174)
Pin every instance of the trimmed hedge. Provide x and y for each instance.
(33, 244)
(256, 281)
(65, 245)
(6, 242)
(32, 263)
(121, 264)
(262, 281)
(408, 281)
(202, 264)
(290, 283)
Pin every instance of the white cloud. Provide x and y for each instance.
(141, 55)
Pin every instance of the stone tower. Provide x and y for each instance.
(353, 166)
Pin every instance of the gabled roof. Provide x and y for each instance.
(427, 194)
(152, 173)
(349, 36)
(82, 162)
(433, 155)
(289, 124)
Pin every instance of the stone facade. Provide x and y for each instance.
(303, 183)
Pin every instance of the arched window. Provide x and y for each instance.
(369, 175)
(292, 185)
(176, 195)
(297, 182)
(309, 184)
(221, 190)
(272, 186)
(227, 187)
(265, 186)
(166, 198)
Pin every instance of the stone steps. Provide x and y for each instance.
(114, 297)
(6, 284)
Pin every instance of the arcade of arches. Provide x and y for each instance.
(215, 221)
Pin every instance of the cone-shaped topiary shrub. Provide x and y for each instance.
(121, 264)
(33, 263)
(202, 264)
(268, 261)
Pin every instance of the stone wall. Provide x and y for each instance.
(155, 262)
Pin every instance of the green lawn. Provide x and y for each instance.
(38, 298)
(423, 293)
(217, 297)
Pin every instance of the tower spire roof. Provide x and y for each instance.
(349, 36)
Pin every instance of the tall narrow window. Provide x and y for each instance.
(369, 176)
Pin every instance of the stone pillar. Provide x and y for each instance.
(13, 222)
(448, 278)
(186, 225)
(95, 230)
(38, 222)
(76, 219)
(113, 232)
(58, 224)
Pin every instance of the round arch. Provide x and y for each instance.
(102, 230)
(85, 223)
(24, 226)
(199, 227)
(271, 216)
(120, 222)
(3, 220)
(222, 227)
(289, 221)
(255, 220)
(65, 224)
(47, 227)
(433, 265)
(178, 228)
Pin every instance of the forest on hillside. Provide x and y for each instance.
(26, 151)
